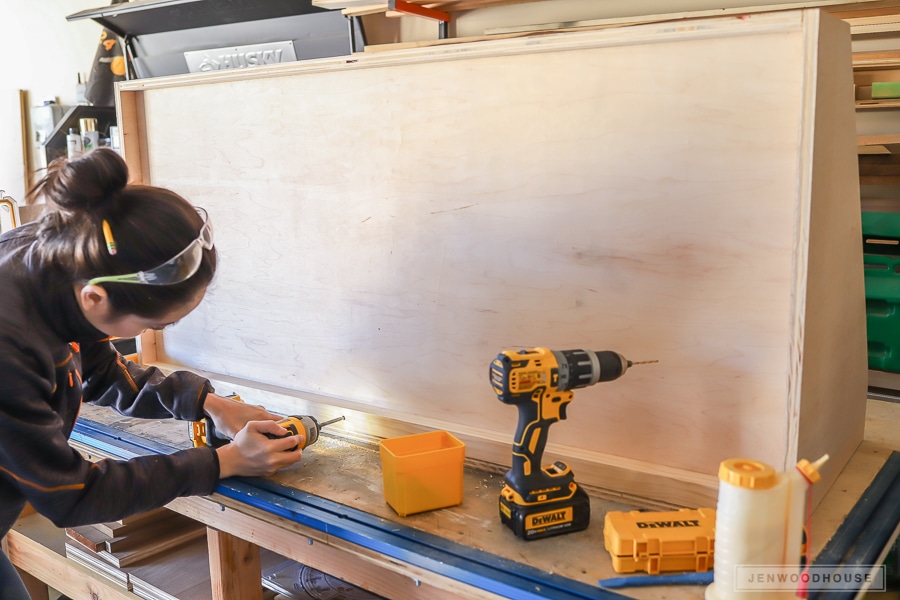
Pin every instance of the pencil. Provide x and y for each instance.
(108, 236)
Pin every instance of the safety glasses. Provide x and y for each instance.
(175, 270)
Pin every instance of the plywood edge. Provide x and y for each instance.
(133, 129)
(640, 479)
(865, 9)
(828, 407)
(800, 243)
(836, 6)
(761, 23)
(890, 139)
(146, 347)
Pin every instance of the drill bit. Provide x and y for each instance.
(335, 420)
(642, 362)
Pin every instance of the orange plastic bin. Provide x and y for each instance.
(422, 471)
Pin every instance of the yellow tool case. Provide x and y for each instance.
(680, 540)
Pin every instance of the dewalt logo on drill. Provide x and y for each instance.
(547, 519)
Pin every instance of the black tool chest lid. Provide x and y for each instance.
(142, 17)
(172, 37)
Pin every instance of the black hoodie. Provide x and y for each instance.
(51, 360)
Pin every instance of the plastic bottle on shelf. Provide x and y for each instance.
(74, 148)
(90, 137)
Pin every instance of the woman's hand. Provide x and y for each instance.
(253, 454)
(230, 416)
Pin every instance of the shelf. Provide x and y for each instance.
(35, 545)
(878, 104)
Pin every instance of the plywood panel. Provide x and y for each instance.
(386, 225)
(827, 422)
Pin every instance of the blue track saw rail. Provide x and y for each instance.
(456, 561)
(866, 532)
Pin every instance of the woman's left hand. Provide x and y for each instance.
(231, 416)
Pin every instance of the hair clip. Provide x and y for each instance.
(108, 236)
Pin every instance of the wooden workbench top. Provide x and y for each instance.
(349, 472)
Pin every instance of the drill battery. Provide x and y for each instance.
(681, 540)
(547, 517)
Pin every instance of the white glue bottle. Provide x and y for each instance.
(759, 525)
(73, 144)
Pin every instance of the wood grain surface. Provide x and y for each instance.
(387, 224)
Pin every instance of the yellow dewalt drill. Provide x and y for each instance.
(203, 432)
(540, 501)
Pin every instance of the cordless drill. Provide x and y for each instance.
(203, 433)
(304, 424)
(539, 501)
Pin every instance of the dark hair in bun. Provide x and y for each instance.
(150, 226)
(88, 184)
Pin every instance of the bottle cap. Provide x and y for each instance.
(811, 470)
(747, 473)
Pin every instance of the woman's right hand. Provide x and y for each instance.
(253, 454)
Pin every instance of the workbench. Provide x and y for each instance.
(328, 512)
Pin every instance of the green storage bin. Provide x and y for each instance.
(881, 256)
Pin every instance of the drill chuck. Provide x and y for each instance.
(581, 368)
(306, 425)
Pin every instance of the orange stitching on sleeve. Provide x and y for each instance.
(61, 488)
(71, 383)
(65, 362)
(78, 376)
(120, 362)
